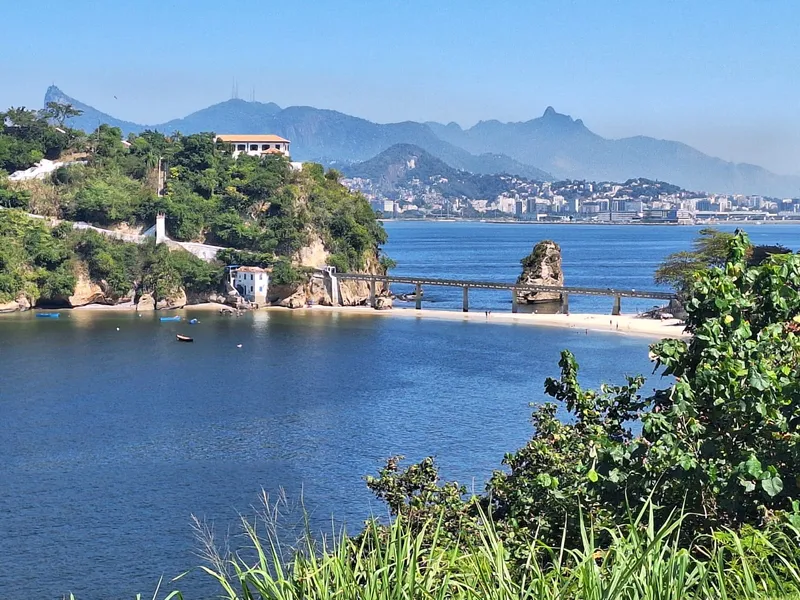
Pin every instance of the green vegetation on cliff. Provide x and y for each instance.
(262, 209)
(43, 263)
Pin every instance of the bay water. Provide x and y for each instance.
(112, 435)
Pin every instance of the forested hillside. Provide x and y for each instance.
(261, 208)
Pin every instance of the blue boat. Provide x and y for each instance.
(48, 315)
(194, 321)
(166, 319)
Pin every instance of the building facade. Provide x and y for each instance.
(255, 145)
(252, 283)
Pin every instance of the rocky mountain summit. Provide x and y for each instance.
(553, 143)
(541, 267)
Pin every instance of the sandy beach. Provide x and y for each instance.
(623, 324)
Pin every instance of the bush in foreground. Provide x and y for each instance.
(644, 558)
(720, 442)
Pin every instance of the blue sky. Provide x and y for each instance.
(721, 75)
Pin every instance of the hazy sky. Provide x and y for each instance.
(721, 75)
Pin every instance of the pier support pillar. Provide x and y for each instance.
(372, 293)
(465, 303)
(514, 306)
(564, 303)
(418, 297)
(617, 310)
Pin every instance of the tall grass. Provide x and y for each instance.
(643, 561)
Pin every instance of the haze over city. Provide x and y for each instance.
(717, 75)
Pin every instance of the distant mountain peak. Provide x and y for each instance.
(549, 112)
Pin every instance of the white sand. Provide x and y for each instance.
(625, 324)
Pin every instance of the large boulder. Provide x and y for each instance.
(86, 291)
(7, 307)
(23, 302)
(146, 302)
(177, 299)
(296, 300)
(541, 267)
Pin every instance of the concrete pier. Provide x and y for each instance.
(617, 294)
(617, 310)
(372, 293)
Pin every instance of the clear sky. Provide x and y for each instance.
(721, 75)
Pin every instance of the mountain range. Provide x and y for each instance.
(401, 165)
(551, 146)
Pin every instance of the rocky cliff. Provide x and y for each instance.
(317, 289)
(541, 267)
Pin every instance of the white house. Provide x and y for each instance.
(252, 283)
(255, 145)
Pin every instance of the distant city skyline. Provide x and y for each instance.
(717, 75)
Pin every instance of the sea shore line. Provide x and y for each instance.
(579, 322)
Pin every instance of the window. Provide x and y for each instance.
(253, 147)
(265, 146)
(260, 288)
(241, 147)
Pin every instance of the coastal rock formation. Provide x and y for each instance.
(541, 267)
(312, 254)
(86, 291)
(7, 307)
(383, 303)
(146, 302)
(175, 300)
(23, 302)
(296, 300)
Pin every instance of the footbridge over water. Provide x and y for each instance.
(513, 288)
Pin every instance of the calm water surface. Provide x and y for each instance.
(112, 439)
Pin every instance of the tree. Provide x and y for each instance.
(60, 112)
(710, 249)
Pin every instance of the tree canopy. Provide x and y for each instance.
(710, 249)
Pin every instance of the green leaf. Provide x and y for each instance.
(592, 476)
(753, 466)
(772, 486)
(758, 381)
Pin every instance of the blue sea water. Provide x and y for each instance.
(112, 439)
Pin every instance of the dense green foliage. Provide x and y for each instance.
(27, 136)
(720, 442)
(43, 263)
(681, 269)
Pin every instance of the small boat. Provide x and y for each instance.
(184, 338)
(48, 315)
(170, 319)
(193, 321)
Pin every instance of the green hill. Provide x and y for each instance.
(265, 211)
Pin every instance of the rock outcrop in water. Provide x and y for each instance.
(541, 267)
